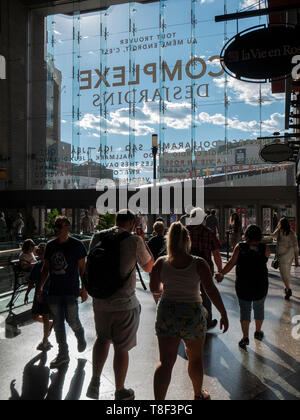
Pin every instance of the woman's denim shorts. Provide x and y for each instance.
(258, 307)
(181, 319)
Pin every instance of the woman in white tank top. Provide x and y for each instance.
(175, 284)
(288, 252)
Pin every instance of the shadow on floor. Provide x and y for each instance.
(238, 381)
(36, 377)
(233, 376)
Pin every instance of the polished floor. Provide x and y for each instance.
(269, 370)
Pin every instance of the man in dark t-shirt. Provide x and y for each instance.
(212, 222)
(64, 264)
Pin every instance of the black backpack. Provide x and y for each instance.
(103, 277)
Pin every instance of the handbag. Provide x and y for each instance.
(275, 262)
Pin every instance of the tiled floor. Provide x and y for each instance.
(270, 370)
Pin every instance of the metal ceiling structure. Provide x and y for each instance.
(85, 6)
(256, 13)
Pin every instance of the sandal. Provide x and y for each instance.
(205, 396)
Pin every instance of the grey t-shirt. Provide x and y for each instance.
(133, 250)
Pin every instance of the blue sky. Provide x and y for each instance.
(244, 110)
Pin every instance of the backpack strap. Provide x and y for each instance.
(121, 237)
(141, 278)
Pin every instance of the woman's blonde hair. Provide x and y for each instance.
(40, 250)
(177, 239)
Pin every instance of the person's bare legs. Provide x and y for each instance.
(37, 318)
(258, 324)
(194, 351)
(245, 328)
(168, 348)
(47, 327)
(121, 362)
(100, 353)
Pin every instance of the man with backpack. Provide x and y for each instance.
(111, 281)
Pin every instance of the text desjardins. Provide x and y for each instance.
(115, 77)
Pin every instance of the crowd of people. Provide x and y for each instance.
(11, 229)
(181, 262)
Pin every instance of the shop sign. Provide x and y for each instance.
(276, 153)
(262, 53)
(2, 67)
(240, 156)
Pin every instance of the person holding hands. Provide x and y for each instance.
(175, 284)
(250, 259)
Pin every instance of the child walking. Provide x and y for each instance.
(27, 258)
(40, 311)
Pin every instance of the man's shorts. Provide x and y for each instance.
(118, 327)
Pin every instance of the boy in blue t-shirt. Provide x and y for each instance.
(40, 310)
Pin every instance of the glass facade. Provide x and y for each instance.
(86, 87)
(112, 78)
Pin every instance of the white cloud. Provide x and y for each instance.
(115, 125)
(275, 123)
(253, 4)
(248, 92)
(182, 150)
(177, 116)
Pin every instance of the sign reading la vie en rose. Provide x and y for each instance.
(276, 153)
(263, 54)
(2, 67)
